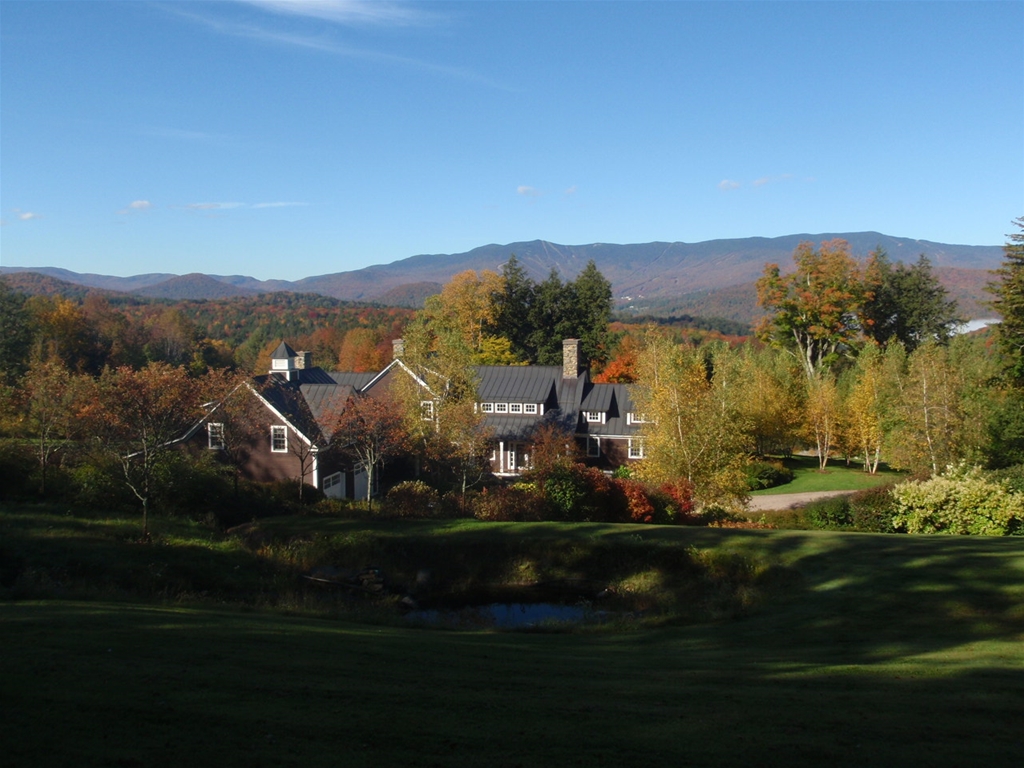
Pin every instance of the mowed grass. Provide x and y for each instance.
(837, 476)
(890, 650)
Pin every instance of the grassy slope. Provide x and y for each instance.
(897, 650)
(836, 477)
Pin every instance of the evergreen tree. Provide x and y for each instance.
(15, 334)
(1009, 303)
(907, 303)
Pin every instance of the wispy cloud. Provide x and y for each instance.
(278, 205)
(213, 206)
(528, 191)
(28, 216)
(771, 179)
(136, 206)
(570, 191)
(351, 12)
(728, 184)
(340, 14)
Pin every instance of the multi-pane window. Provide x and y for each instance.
(427, 410)
(215, 436)
(531, 409)
(332, 480)
(636, 449)
(278, 439)
(636, 418)
(594, 416)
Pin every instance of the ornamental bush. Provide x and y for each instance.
(960, 501)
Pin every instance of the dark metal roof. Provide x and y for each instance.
(326, 403)
(517, 383)
(283, 352)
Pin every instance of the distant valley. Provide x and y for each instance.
(711, 278)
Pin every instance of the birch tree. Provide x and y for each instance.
(691, 430)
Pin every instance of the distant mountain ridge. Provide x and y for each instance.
(639, 273)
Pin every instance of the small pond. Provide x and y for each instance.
(509, 615)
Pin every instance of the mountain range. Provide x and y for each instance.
(658, 277)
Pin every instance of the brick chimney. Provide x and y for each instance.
(398, 348)
(570, 358)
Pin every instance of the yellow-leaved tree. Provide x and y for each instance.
(692, 431)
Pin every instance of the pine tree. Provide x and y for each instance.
(1009, 303)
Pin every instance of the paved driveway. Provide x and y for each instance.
(789, 500)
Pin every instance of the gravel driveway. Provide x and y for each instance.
(789, 500)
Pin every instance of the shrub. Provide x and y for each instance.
(872, 509)
(16, 467)
(412, 499)
(638, 503)
(961, 501)
(766, 474)
(512, 503)
(830, 513)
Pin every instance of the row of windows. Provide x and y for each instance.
(215, 437)
(635, 448)
(279, 439)
(528, 409)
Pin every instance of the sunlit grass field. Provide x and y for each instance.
(868, 650)
(837, 476)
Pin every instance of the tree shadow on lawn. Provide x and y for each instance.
(248, 689)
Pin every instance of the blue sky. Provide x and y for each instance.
(289, 139)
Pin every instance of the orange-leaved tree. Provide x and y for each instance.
(814, 310)
(137, 417)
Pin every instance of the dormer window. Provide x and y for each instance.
(636, 418)
(594, 417)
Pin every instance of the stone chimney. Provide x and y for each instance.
(570, 358)
(304, 360)
(398, 348)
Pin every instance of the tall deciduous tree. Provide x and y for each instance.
(823, 415)
(770, 399)
(906, 303)
(813, 309)
(686, 397)
(52, 395)
(1009, 303)
(136, 417)
(370, 430)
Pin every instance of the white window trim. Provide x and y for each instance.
(332, 480)
(636, 448)
(593, 447)
(215, 435)
(501, 407)
(487, 407)
(531, 408)
(427, 410)
(594, 417)
(278, 432)
(515, 407)
(636, 418)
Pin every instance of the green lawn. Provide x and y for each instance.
(884, 650)
(836, 477)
